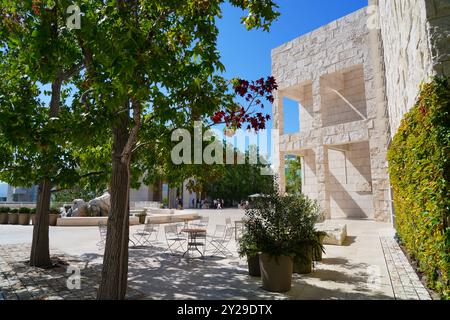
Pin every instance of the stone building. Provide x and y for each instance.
(354, 79)
(159, 191)
(21, 194)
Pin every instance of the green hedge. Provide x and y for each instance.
(419, 168)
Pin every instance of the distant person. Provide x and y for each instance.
(219, 204)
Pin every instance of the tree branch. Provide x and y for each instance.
(87, 56)
(140, 145)
(94, 173)
(66, 75)
(127, 150)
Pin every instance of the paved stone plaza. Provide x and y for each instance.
(369, 265)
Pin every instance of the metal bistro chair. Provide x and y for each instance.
(238, 229)
(174, 239)
(229, 224)
(102, 228)
(143, 237)
(221, 244)
(202, 223)
(219, 233)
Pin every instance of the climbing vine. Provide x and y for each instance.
(419, 168)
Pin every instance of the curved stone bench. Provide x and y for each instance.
(88, 221)
(176, 216)
(159, 211)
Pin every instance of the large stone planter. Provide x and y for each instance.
(4, 218)
(254, 269)
(52, 219)
(142, 218)
(13, 218)
(276, 272)
(317, 252)
(24, 219)
(33, 219)
(303, 264)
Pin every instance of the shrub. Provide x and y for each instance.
(280, 225)
(4, 209)
(24, 210)
(419, 168)
(33, 211)
(14, 211)
(54, 210)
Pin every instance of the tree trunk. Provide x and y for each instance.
(113, 283)
(40, 249)
(40, 252)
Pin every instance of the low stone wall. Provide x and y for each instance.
(176, 216)
(88, 221)
(157, 211)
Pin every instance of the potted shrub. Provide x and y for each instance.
(142, 217)
(303, 230)
(317, 252)
(13, 217)
(33, 215)
(283, 226)
(247, 247)
(53, 216)
(4, 215)
(24, 216)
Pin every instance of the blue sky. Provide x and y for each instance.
(247, 54)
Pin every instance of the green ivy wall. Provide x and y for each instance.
(419, 168)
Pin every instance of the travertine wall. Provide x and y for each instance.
(142, 194)
(416, 46)
(306, 113)
(332, 72)
(354, 82)
(309, 173)
(350, 181)
(350, 84)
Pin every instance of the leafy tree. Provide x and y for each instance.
(236, 182)
(149, 65)
(140, 68)
(36, 49)
(294, 175)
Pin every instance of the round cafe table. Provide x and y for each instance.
(193, 243)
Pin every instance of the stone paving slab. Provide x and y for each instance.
(405, 281)
(356, 270)
(19, 281)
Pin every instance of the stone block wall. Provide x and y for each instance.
(416, 45)
(309, 173)
(306, 113)
(351, 85)
(350, 182)
(354, 82)
(332, 72)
